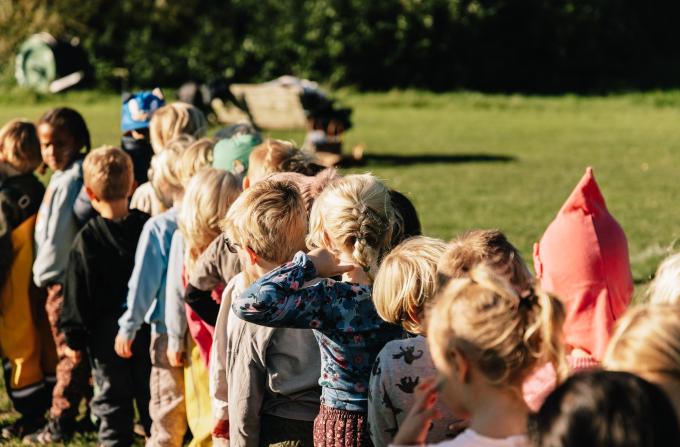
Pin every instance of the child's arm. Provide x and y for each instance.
(60, 229)
(278, 299)
(75, 311)
(145, 281)
(175, 314)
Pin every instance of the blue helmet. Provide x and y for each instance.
(138, 108)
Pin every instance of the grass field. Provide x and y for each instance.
(469, 160)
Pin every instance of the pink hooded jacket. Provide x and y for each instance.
(583, 259)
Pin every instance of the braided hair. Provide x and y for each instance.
(356, 213)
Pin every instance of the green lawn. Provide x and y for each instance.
(469, 160)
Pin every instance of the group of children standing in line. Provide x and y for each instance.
(236, 290)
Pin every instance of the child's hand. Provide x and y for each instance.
(123, 347)
(221, 429)
(416, 425)
(72, 355)
(327, 264)
(176, 359)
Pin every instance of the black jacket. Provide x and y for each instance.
(20, 198)
(96, 281)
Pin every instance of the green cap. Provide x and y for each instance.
(232, 153)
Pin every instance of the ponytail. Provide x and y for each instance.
(504, 334)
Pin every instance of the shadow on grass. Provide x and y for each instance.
(401, 160)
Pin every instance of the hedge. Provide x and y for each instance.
(505, 45)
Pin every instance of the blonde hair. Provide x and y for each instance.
(665, 288)
(490, 247)
(269, 218)
(646, 341)
(196, 157)
(20, 145)
(406, 282)
(166, 166)
(356, 213)
(109, 173)
(503, 334)
(208, 196)
(174, 119)
(281, 156)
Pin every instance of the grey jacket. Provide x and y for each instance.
(56, 225)
(267, 371)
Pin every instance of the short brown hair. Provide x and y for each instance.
(282, 156)
(490, 247)
(108, 172)
(270, 218)
(20, 145)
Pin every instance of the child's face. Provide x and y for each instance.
(57, 146)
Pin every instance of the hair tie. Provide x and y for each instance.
(367, 269)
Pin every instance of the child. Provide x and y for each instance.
(583, 259)
(168, 123)
(605, 409)
(665, 288)
(278, 156)
(209, 194)
(136, 114)
(215, 267)
(485, 338)
(646, 342)
(20, 337)
(63, 134)
(408, 223)
(99, 265)
(271, 375)
(404, 286)
(490, 247)
(146, 302)
(351, 223)
(233, 153)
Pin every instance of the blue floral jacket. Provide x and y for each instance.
(342, 315)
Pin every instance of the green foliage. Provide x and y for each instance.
(491, 45)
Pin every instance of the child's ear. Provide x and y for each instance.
(90, 194)
(246, 183)
(414, 316)
(251, 255)
(461, 366)
(133, 186)
(327, 239)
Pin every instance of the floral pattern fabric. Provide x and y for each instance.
(346, 325)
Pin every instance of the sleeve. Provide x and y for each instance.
(145, 281)
(206, 273)
(60, 230)
(202, 303)
(382, 420)
(175, 314)
(218, 369)
(279, 300)
(247, 393)
(75, 312)
(82, 208)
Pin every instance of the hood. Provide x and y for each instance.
(583, 259)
